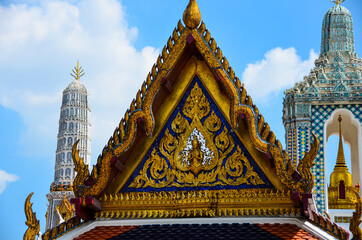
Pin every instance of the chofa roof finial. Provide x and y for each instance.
(192, 15)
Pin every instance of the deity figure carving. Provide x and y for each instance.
(196, 157)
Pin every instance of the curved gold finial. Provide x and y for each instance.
(306, 164)
(78, 71)
(354, 225)
(192, 15)
(31, 221)
(338, 1)
(79, 167)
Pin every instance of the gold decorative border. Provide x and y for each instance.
(209, 203)
(62, 228)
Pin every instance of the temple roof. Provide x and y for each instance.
(188, 49)
(200, 231)
(193, 144)
(191, 93)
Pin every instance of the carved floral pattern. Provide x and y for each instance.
(197, 151)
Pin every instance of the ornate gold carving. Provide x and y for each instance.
(192, 15)
(285, 168)
(65, 209)
(158, 169)
(31, 221)
(197, 155)
(181, 154)
(212, 123)
(208, 203)
(235, 166)
(80, 167)
(305, 165)
(179, 124)
(196, 104)
(354, 225)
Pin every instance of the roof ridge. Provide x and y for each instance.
(328, 225)
(264, 129)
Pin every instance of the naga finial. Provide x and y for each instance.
(31, 221)
(354, 225)
(192, 15)
(80, 168)
(338, 1)
(306, 164)
(78, 71)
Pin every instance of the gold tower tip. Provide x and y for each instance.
(340, 171)
(192, 15)
(340, 157)
(78, 71)
(338, 1)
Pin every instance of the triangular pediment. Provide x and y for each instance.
(172, 143)
(196, 149)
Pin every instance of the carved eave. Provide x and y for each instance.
(184, 46)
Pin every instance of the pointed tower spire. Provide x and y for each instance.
(192, 15)
(78, 72)
(340, 171)
(341, 162)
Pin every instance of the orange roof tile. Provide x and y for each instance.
(287, 231)
(104, 232)
(211, 231)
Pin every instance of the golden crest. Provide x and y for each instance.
(196, 152)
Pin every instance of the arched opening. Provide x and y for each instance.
(351, 135)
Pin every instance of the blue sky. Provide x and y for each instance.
(268, 43)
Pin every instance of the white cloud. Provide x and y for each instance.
(39, 46)
(6, 178)
(280, 69)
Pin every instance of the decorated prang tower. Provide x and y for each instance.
(74, 124)
(331, 89)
